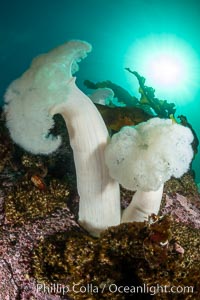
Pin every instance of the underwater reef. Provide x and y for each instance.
(46, 254)
(85, 213)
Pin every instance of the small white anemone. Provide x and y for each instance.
(102, 96)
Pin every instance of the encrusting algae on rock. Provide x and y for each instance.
(6, 145)
(185, 186)
(162, 254)
(180, 271)
(131, 254)
(181, 200)
(25, 201)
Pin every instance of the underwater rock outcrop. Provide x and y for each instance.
(117, 117)
(49, 247)
(128, 261)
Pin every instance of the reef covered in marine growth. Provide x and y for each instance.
(63, 193)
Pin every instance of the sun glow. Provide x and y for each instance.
(168, 64)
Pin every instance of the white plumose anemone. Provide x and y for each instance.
(48, 88)
(143, 157)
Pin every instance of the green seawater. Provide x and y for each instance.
(28, 28)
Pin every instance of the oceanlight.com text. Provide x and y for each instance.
(77, 288)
